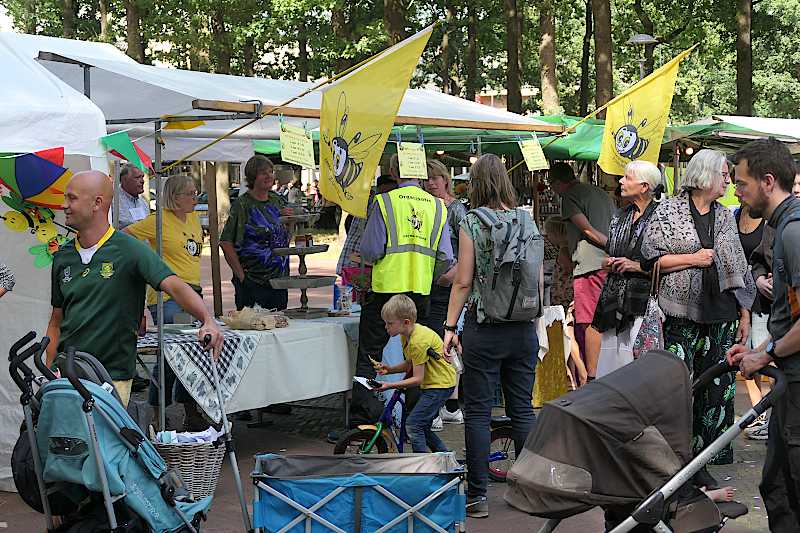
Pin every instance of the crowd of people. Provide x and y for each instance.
(726, 282)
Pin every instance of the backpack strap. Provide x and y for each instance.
(489, 219)
(777, 246)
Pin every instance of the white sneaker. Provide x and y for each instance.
(758, 433)
(447, 417)
(437, 424)
(761, 420)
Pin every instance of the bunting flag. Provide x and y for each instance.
(357, 115)
(37, 178)
(182, 124)
(636, 119)
(120, 145)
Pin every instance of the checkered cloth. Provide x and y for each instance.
(192, 365)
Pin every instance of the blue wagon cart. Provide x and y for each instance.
(389, 493)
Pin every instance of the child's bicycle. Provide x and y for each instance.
(385, 436)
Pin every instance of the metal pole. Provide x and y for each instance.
(87, 82)
(115, 201)
(162, 416)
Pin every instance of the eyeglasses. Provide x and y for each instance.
(193, 194)
(726, 175)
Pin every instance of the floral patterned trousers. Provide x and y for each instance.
(702, 346)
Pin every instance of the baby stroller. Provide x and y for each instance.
(623, 443)
(91, 463)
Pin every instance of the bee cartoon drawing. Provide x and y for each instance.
(415, 220)
(631, 141)
(347, 156)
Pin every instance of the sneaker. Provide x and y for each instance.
(447, 417)
(437, 424)
(759, 421)
(758, 433)
(478, 507)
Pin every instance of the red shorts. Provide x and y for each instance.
(587, 291)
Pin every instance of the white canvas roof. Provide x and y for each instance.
(786, 129)
(37, 111)
(124, 89)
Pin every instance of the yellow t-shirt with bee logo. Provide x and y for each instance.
(439, 374)
(182, 245)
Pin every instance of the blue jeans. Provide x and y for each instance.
(504, 352)
(171, 308)
(419, 421)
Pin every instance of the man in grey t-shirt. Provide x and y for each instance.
(587, 211)
(764, 178)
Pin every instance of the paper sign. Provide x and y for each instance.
(532, 152)
(297, 146)
(411, 157)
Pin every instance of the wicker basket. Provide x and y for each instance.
(198, 464)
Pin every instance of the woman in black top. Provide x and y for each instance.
(625, 293)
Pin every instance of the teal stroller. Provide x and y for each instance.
(89, 454)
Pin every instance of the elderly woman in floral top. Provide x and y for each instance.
(707, 289)
(6, 279)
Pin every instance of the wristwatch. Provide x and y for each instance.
(448, 327)
(771, 350)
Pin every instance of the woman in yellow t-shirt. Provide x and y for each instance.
(182, 245)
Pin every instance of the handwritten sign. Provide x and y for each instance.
(411, 157)
(297, 146)
(533, 154)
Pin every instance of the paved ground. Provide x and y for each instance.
(303, 432)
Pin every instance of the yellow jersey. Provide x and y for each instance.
(439, 374)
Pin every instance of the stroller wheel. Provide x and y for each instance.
(502, 453)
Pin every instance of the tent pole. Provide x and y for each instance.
(676, 166)
(162, 415)
(115, 202)
(210, 179)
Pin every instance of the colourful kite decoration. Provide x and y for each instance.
(36, 178)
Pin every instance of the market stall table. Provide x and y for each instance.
(306, 360)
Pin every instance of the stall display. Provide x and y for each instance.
(303, 281)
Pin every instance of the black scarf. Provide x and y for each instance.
(624, 296)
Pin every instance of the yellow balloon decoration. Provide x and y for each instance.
(15, 221)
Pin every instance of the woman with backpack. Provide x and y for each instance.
(499, 339)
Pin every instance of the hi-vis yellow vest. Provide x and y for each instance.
(414, 220)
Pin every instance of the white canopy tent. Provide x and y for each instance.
(37, 111)
(131, 95)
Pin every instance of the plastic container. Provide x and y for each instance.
(455, 361)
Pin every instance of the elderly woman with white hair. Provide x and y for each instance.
(623, 299)
(706, 287)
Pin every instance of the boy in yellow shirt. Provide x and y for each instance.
(432, 373)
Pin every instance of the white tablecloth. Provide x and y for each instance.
(310, 358)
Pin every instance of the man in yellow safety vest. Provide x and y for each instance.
(407, 241)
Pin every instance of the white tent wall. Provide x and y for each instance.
(37, 111)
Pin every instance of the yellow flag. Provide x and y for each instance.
(357, 115)
(636, 119)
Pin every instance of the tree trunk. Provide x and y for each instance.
(445, 50)
(249, 56)
(601, 9)
(302, 56)
(583, 99)
(30, 17)
(513, 70)
(134, 33)
(221, 48)
(343, 30)
(68, 12)
(547, 59)
(744, 58)
(472, 51)
(102, 7)
(394, 18)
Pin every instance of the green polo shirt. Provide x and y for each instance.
(103, 301)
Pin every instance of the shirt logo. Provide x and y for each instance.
(193, 247)
(85, 272)
(107, 270)
(67, 275)
(415, 220)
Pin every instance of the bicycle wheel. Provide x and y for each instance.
(501, 453)
(350, 443)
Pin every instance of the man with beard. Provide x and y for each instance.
(764, 178)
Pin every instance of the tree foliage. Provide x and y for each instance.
(310, 39)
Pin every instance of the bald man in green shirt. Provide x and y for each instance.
(98, 285)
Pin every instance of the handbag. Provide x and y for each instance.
(651, 333)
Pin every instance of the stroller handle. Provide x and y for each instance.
(72, 376)
(20, 373)
(38, 361)
(723, 367)
(777, 389)
(17, 346)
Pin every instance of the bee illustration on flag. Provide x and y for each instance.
(633, 138)
(348, 151)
